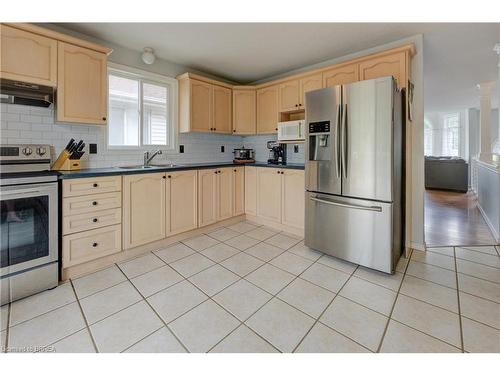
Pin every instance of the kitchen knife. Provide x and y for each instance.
(69, 145)
(64, 155)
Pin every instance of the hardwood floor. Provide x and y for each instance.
(453, 219)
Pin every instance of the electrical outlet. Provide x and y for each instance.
(296, 148)
(222, 149)
(181, 149)
(92, 148)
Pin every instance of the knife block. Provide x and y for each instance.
(71, 165)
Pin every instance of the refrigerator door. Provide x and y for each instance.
(367, 139)
(358, 231)
(322, 164)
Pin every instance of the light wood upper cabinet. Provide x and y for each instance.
(207, 197)
(28, 57)
(267, 110)
(269, 193)
(244, 111)
(251, 190)
(82, 90)
(289, 96)
(201, 106)
(222, 109)
(341, 75)
(389, 65)
(181, 201)
(225, 186)
(292, 198)
(309, 83)
(238, 191)
(143, 209)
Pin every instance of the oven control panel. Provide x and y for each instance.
(24, 152)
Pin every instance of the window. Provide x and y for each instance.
(451, 134)
(141, 109)
(428, 138)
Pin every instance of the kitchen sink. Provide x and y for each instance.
(153, 166)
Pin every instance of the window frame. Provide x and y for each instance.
(156, 79)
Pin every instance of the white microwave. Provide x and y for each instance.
(289, 131)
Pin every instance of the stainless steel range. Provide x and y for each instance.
(28, 222)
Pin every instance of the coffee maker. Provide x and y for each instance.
(277, 153)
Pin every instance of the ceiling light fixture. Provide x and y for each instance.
(148, 55)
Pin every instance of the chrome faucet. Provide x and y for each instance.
(148, 157)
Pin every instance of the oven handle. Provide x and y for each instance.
(28, 192)
(355, 206)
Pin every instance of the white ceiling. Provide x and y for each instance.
(456, 56)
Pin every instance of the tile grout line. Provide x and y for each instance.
(155, 312)
(458, 301)
(84, 318)
(393, 305)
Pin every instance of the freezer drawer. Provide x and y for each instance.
(358, 231)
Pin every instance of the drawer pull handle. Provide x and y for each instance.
(94, 203)
(95, 185)
(94, 244)
(94, 220)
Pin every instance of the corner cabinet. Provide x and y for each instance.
(244, 111)
(238, 191)
(28, 57)
(82, 89)
(203, 106)
(267, 110)
(269, 194)
(144, 209)
(251, 190)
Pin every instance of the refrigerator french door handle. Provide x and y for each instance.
(338, 162)
(355, 206)
(344, 140)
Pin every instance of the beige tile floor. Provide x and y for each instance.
(247, 288)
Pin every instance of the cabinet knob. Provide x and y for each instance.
(234, 130)
(94, 220)
(276, 129)
(163, 177)
(300, 104)
(104, 119)
(169, 176)
(94, 244)
(296, 105)
(95, 185)
(94, 203)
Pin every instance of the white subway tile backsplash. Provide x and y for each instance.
(24, 124)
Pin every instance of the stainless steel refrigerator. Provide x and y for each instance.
(354, 161)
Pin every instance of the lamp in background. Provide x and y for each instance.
(148, 55)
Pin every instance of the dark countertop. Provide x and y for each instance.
(96, 172)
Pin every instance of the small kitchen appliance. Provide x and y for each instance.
(28, 222)
(69, 158)
(277, 153)
(244, 155)
(291, 131)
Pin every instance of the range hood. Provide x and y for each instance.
(14, 92)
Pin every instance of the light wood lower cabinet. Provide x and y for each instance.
(238, 191)
(181, 201)
(225, 189)
(144, 209)
(251, 190)
(207, 197)
(280, 196)
(269, 193)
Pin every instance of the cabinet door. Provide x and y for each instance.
(292, 198)
(244, 112)
(341, 76)
(28, 57)
(251, 190)
(181, 201)
(390, 65)
(207, 197)
(267, 110)
(225, 193)
(143, 209)
(82, 89)
(201, 106)
(269, 194)
(238, 191)
(222, 109)
(310, 83)
(289, 96)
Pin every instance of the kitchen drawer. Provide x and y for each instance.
(91, 203)
(86, 186)
(83, 247)
(91, 220)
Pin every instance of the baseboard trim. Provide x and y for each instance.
(417, 246)
(492, 228)
(105, 262)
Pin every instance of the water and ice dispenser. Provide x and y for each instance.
(319, 140)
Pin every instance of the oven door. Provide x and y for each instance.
(28, 226)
